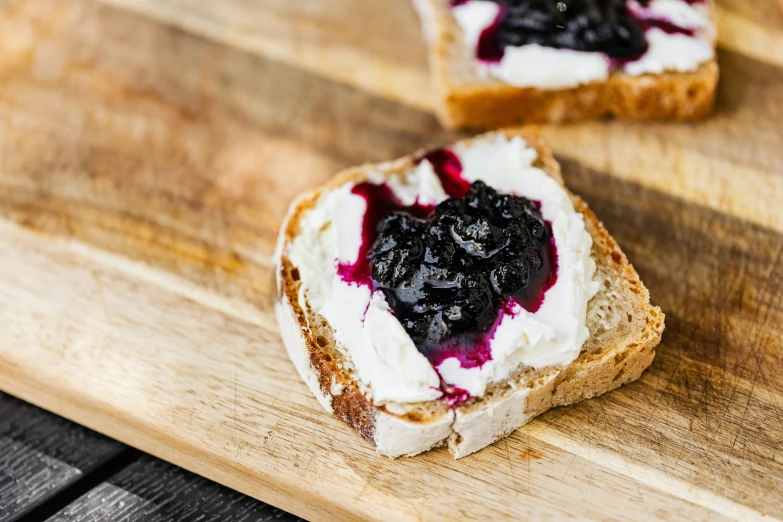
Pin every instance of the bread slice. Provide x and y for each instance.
(465, 99)
(624, 330)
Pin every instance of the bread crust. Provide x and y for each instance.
(464, 100)
(469, 427)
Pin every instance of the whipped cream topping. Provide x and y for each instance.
(383, 355)
(551, 68)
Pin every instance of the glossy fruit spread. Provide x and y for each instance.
(450, 272)
(610, 27)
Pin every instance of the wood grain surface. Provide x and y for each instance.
(150, 490)
(148, 151)
(41, 455)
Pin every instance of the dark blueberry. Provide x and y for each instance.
(533, 259)
(480, 302)
(510, 207)
(478, 237)
(536, 227)
(437, 329)
(509, 276)
(605, 26)
(450, 205)
(397, 250)
(479, 195)
(446, 276)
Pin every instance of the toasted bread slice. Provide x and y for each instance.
(465, 99)
(624, 330)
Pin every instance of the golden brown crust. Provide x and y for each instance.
(351, 405)
(589, 375)
(593, 373)
(688, 96)
(466, 101)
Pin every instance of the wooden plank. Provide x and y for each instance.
(374, 45)
(753, 39)
(714, 390)
(41, 455)
(241, 416)
(707, 165)
(729, 163)
(189, 160)
(382, 53)
(763, 13)
(171, 159)
(150, 490)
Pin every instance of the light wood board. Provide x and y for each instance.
(148, 150)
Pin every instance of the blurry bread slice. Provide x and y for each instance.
(464, 98)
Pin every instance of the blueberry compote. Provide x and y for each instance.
(451, 276)
(605, 26)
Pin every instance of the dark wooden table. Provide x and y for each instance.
(52, 469)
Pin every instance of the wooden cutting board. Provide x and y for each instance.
(148, 150)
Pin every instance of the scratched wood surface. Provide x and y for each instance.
(148, 150)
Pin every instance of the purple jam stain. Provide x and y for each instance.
(664, 25)
(489, 48)
(380, 202)
(532, 297)
(448, 168)
(471, 350)
(474, 350)
(454, 395)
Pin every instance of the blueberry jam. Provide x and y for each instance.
(605, 26)
(450, 277)
(380, 203)
(448, 168)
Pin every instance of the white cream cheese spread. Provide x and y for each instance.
(383, 355)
